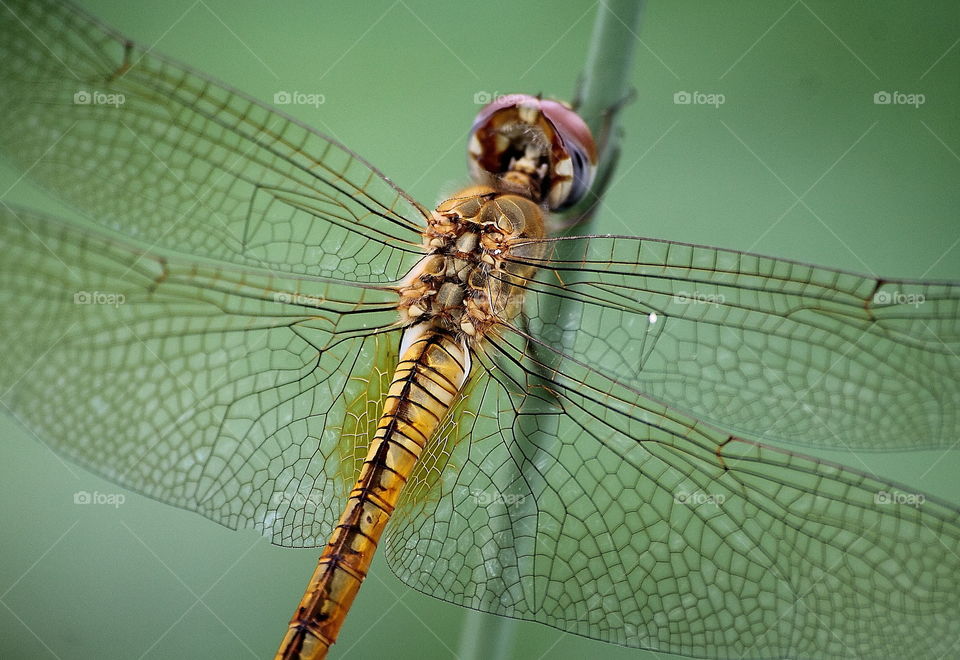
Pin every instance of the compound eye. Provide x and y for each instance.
(571, 179)
(575, 161)
(543, 141)
(493, 136)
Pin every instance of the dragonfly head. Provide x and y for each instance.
(535, 147)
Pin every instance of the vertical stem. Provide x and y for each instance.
(604, 87)
(484, 636)
(605, 82)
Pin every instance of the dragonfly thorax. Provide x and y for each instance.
(470, 280)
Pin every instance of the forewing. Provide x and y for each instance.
(166, 155)
(764, 347)
(223, 390)
(582, 504)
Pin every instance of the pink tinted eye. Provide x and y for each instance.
(579, 147)
(505, 102)
(571, 127)
(542, 139)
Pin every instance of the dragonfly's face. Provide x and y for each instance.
(467, 281)
(539, 148)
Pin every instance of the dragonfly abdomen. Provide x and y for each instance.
(432, 368)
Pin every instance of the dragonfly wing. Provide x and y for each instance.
(581, 504)
(764, 347)
(167, 155)
(214, 388)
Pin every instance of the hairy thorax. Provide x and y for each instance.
(474, 273)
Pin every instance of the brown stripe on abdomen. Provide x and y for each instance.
(432, 369)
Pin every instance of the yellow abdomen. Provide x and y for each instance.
(432, 368)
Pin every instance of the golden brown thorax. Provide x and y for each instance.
(467, 281)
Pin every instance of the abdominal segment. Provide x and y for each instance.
(433, 367)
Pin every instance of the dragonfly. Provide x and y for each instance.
(224, 335)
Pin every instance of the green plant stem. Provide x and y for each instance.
(604, 89)
(605, 83)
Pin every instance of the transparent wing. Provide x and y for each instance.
(166, 155)
(581, 504)
(218, 389)
(764, 347)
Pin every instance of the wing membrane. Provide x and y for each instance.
(169, 156)
(609, 515)
(222, 390)
(224, 382)
(765, 347)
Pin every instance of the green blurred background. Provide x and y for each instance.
(400, 82)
